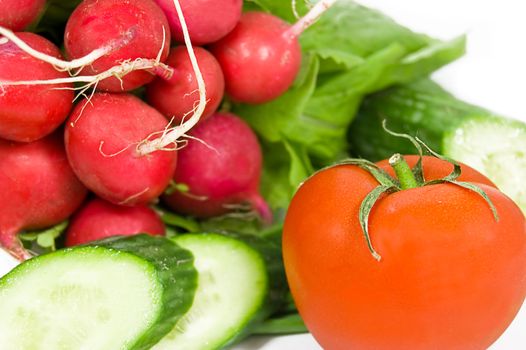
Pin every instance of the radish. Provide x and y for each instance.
(21, 120)
(102, 136)
(259, 40)
(18, 14)
(262, 56)
(38, 189)
(178, 97)
(99, 219)
(133, 29)
(222, 17)
(221, 170)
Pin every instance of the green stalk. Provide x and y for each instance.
(403, 172)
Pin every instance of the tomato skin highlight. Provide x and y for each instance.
(451, 277)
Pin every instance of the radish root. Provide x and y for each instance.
(79, 63)
(173, 134)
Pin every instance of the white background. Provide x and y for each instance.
(492, 74)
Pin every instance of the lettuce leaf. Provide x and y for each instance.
(350, 52)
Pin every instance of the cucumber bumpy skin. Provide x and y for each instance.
(119, 293)
(491, 144)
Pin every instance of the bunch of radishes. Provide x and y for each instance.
(69, 126)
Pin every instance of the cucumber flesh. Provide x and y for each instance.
(232, 288)
(95, 297)
(496, 148)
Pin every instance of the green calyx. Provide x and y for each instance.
(406, 178)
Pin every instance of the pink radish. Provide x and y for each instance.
(30, 112)
(262, 56)
(207, 20)
(221, 169)
(102, 136)
(179, 96)
(38, 188)
(99, 219)
(259, 40)
(137, 29)
(18, 14)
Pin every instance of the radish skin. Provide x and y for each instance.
(264, 41)
(49, 105)
(259, 40)
(203, 29)
(89, 27)
(38, 187)
(222, 170)
(19, 14)
(177, 97)
(101, 138)
(100, 219)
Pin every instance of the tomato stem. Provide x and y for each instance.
(403, 172)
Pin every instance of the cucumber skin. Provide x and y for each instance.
(420, 109)
(176, 271)
(270, 251)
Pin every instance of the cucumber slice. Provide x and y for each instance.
(232, 289)
(494, 145)
(124, 293)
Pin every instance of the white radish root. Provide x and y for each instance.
(173, 134)
(62, 65)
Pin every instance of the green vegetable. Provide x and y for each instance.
(286, 324)
(235, 291)
(492, 144)
(120, 293)
(350, 52)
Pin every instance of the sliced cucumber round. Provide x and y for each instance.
(232, 289)
(124, 293)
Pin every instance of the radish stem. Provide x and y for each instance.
(309, 19)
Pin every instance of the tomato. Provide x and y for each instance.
(450, 275)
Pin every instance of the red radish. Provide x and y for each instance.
(207, 20)
(99, 219)
(179, 96)
(221, 169)
(136, 24)
(38, 188)
(18, 14)
(48, 105)
(102, 135)
(259, 58)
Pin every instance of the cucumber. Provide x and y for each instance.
(233, 293)
(124, 293)
(494, 145)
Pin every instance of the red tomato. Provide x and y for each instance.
(450, 277)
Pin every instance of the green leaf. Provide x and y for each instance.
(357, 30)
(285, 166)
(282, 8)
(334, 103)
(281, 325)
(44, 240)
(279, 117)
(178, 221)
(423, 62)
